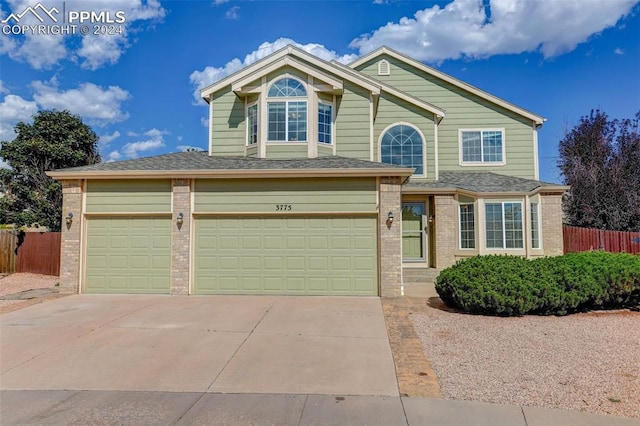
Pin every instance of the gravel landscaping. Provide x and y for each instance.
(586, 362)
(23, 282)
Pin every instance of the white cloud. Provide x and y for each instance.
(179, 138)
(204, 121)
(4, 164)
(3, 88)
(463, 29)
(209, 75)
(219, 2)
(618, 51)
(94, 51)
(12, 110)
(133, 149)
(98, 105)
(233, 13)
(105, 140)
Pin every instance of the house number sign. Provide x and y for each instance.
(283, 207)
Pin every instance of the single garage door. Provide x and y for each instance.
(293, 255)
(128, 255)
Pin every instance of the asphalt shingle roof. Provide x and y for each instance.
(480, 182)
(202, 161)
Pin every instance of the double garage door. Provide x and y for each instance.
(239, 255)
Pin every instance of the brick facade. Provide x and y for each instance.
(551, 217)
(181, 236)
(446, 217)
(70, 236)
(390, 237)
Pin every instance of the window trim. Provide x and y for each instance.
(424, 144)
(482, 163)
(504, 233)
(473, 207)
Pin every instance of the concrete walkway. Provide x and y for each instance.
(101, 359)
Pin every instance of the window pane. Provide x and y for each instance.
(297, 121)
(252, 124)
(324, 123)
(471, 146)
(277, 121)
(492, 146)
(403, 145)
(513, 225)
(535, 229)
(493, 225)
(287, 88)
(467, 227)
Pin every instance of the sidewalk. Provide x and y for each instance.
(176, 408)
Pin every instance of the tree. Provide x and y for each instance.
(55, 140)
(600, 159)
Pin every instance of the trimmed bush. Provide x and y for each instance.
(512, 285)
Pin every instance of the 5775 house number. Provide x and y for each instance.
(283, 207)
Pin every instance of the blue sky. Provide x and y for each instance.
(557, 58)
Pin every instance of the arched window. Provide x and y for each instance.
(403, 145)
(287, 111)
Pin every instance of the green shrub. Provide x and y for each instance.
(512, 285)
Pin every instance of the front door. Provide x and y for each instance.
(413, 232)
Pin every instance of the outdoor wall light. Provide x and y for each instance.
(390, 217)
(180, 219)
(69, 218)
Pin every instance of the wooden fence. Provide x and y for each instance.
(584, 239)
(39, 253)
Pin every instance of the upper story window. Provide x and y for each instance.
(483, 146)
(325, 123)
(252, 124)
(287, 111)
(403, 145)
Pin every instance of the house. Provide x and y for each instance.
(322, 179)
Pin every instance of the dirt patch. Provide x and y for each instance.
(18, 291)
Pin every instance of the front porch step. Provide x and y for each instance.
(419, 275)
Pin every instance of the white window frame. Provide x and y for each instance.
(475, 219)
(482, 162)
(286, 101)
(248, 130)
(538, 228)
(331, 126)
(424, 144)
(504, 231)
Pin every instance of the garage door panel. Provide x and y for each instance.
(128, 255)
(294, 255)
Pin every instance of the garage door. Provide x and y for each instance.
(295, 255)
(128, 255)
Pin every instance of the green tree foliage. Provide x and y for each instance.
(55, 140)
(600, 159)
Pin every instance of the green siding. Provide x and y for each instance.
(129, 196)
(303, 255)
(128, 255)
(463, 110)
(228, 126)
(281, 151)
(304, 196)
(353, 123)
(392, 111)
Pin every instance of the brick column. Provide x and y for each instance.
(181, 237)
(551, 216)
(390, 238)
(70, 236)
(445, 226)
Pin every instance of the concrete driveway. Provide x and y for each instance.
(211, 344)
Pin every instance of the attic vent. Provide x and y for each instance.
(384, 68)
